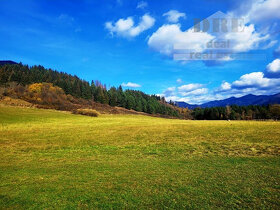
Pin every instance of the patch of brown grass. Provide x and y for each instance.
(15, 102)
(88, 112)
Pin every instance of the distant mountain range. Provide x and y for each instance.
(7, 62)
(242, 101)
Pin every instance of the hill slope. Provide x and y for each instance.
(138, 101)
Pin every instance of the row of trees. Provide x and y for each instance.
(130, 99)
(235, 112)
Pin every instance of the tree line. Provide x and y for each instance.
(96, 91)
(129, 99)
(234, 112)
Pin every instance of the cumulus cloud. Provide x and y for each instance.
(264, 14)
(199, 99)
(225, 86)
(189, 87)
(242, 37)
(266, 83)
(252, 80)
(173, 16)
(246, 40)
(251, 36)
(142, 5)
(170, 35)
(193, 99)
(131, 85)
(196, 92)
(121, 26)
(193, 92)
(255, 83)
(245, 85)
(263, 10)
(273, 69)
(127, 28)
(274, 66)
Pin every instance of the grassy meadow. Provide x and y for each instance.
(51, 159)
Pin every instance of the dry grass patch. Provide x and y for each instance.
(87, 112)
(15, 102)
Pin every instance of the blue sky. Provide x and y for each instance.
(132, 43)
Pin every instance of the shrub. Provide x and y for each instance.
(88, 112)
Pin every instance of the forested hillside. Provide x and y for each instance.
(73, 85)
(72, 89)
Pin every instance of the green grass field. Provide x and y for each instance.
(52, 159)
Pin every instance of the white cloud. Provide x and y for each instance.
(189, 87)
(225, 86)
(255, 82)
(246, 40)
(241, 39)
(270, 44)
(252, 83)
(264, 15)
(170, 36)
(263, 10)
(267, 82)
(173, 16)
(274, 66)
(164, 39)
(146, 22)
(126, 27)
(254, 79)
(121, 26)
(273, 69)
(193, 99)
(142, 5)
(198, 99)
(254, 35)
(131, 85)
(196, 92)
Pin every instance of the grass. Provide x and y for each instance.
(52, 159)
